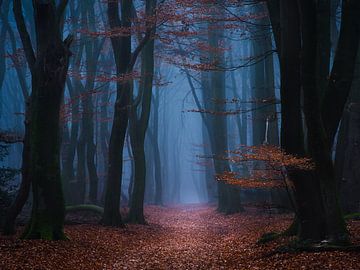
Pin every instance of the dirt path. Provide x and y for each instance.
(192, 237)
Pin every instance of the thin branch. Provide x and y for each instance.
(10, 138)
(24, 34)
(139, 48)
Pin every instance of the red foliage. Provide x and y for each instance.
(192, 237)
(266, 166)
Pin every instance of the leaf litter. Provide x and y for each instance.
(178, 237)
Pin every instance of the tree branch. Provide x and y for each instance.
(139, 48)
(10, 138)
(24, 34)
(61, 8)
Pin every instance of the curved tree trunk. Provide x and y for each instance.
(139, 125)
(122, 52)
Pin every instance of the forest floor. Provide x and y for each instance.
(183, 237)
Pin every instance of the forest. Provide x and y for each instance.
(180, 134)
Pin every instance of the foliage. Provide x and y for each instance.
(85, 207)
(269, 166)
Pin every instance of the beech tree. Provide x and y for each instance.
(125, 60)
(48, 66)
(319, 216)
(139, 124)
(347, 150)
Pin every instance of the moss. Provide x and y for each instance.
(85, 207)
(291, 231)
(42, 227)
(352, 216)
(268, 237)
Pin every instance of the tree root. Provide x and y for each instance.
(304, 246)
(268, 237)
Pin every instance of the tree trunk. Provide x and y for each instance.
(347, 150)
(24, 189)
(48, 70)
(122, 52)
(318, 145)
(157, 158)
(342, 73)
(4, 10)
(104, 137)
(292, 139)
(68, 166)
(138, 125)
(228, 196)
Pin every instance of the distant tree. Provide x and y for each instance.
(7, 175)
(154, 140)
(347, 149)
(24, 188)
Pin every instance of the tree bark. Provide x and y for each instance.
(122, 52)
(48, 69)
(342, 72)
(138, 125)
(318, 145)
(292, 138)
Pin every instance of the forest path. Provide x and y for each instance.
(181, 237)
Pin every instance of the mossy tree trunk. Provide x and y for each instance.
(49, 70)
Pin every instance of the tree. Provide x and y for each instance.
(24, 189)
(122, 53)
(229, 198)
(322, 121)
(7, 174)
(125, 61)
(347, 150)
(316, 195)
(48, 67)
(139, 124)
(284, 16)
